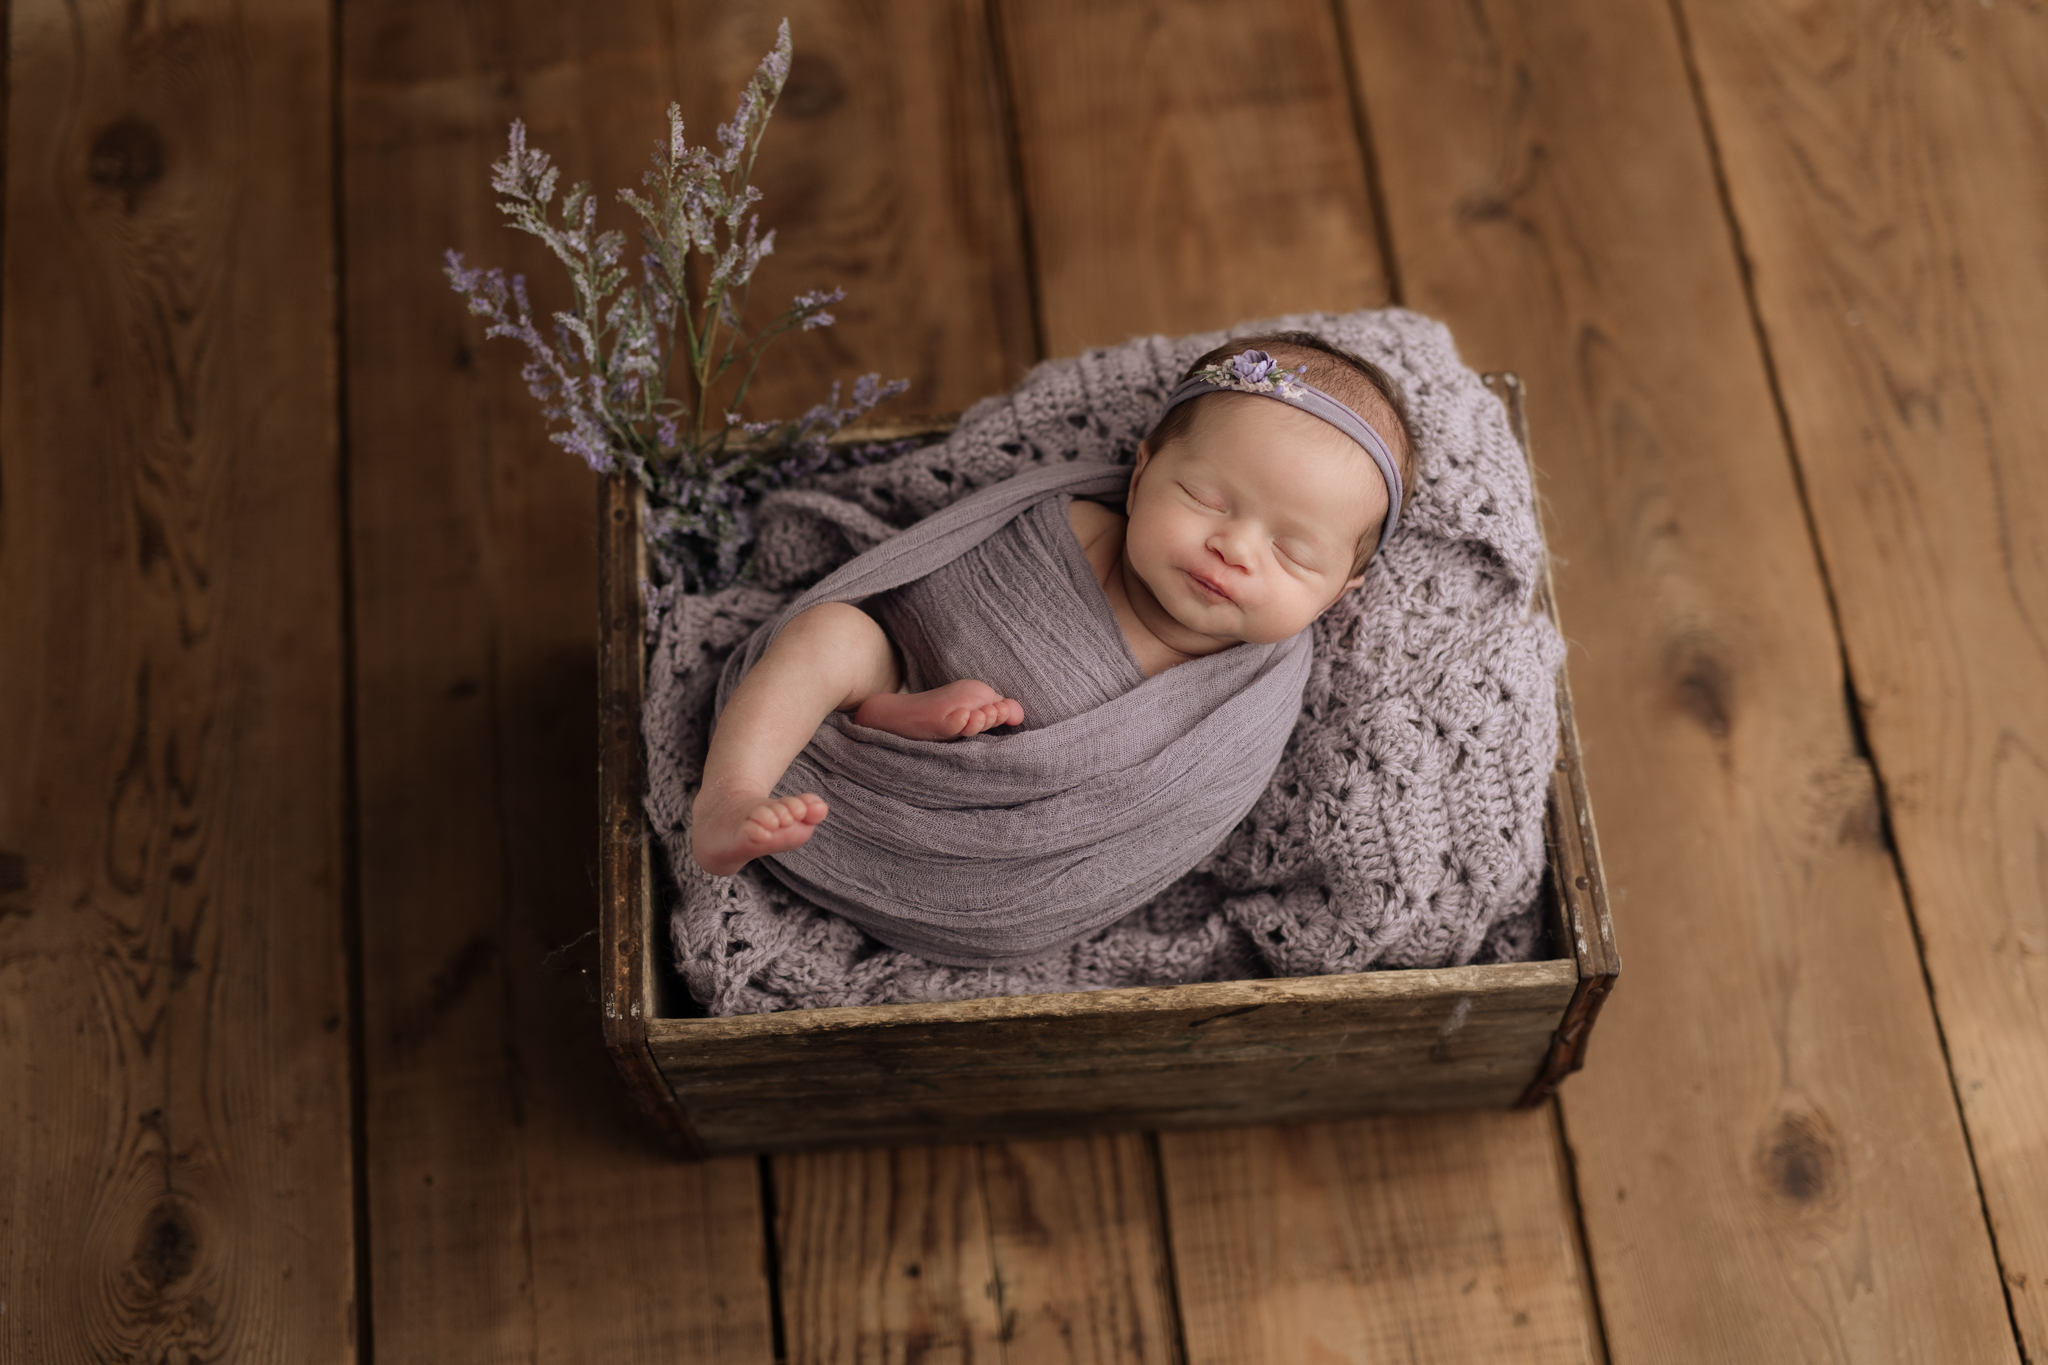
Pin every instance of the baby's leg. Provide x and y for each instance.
(830, 658)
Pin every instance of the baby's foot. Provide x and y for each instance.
(955, 711)
(728, 834)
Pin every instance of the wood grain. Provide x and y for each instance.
(1417, 1239)
(1183, 1056)
(1187, 166)
(1082, 1274)
(885, 1257)
(1034, 1253)
(631, 981)
(1191, 166)
(520, 1208)
(1770, 1160)
(1888, 168)
(175, 1175)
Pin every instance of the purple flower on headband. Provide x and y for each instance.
(1253, 367)
(1253, 372)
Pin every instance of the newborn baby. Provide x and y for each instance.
(1268, 483)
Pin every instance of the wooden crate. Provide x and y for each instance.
(1151, 1057)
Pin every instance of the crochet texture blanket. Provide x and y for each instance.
(1403, 826)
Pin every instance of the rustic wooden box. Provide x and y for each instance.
(1301, 1048)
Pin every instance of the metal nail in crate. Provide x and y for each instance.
(1483, 1037)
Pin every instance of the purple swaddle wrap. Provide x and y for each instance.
(1004, 847)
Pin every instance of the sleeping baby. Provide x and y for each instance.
(1089, 670)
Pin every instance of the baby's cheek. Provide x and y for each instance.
(1145, 538)
(1141, 524)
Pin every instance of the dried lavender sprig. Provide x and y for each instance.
(547, 378)
(698, 205)
(603, 377)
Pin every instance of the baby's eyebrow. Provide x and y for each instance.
(1311, 529)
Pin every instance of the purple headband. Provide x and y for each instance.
(1256, 372)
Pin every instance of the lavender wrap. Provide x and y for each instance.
(1005, 847)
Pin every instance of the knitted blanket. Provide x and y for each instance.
(1004, 847)
(1403, 825)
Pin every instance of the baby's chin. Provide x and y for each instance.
(1221, 636)
(1259, 632)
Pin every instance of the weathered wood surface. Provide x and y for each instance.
(886, 1257)
(1771, 1163)
(519, 1207)
(631, 947)
(1260, 1052)
(1082, 1272)
(1889, 175)
(1025, 1252)
(1766, 1168)
(1416, 1239)
(1187, 166)
(1192, 166)
(1580, 923)
(1181, 1057)
(174, 1098)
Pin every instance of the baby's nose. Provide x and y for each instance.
(1232, 545)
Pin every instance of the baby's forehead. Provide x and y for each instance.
(1277, 429)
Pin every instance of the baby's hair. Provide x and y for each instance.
(1351, 379)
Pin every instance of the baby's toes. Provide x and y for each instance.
(793, 811)
(781, 824)
(1001, 711)
(772, 817)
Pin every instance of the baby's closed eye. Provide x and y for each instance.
(1302, 555)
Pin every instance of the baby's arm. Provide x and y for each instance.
(830, 658)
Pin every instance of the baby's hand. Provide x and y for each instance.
(727, 835)
(955, 711)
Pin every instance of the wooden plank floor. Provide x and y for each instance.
(299, 1058)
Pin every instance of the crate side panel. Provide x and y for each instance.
(933, 1077)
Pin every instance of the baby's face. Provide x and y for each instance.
(1245, 528)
